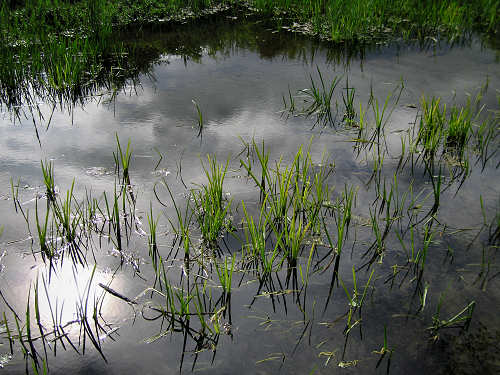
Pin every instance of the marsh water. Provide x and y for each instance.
(240, 74)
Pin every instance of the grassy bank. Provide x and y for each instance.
(343, 20)
(331, 19)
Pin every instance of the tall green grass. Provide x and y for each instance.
(362, 20)
(212, 210)
(318, 99)
(453, 133)
(340, 20)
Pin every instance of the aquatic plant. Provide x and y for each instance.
(182, 227)
(343, 215)
(348, 99)
(355, 303)
(199, 118)
(460, 320)
(225, 275)
(49, 180)
(209, 203)
(44, 241)
(385, 350)
(318, 99)
(254, 249)
(122, 160)
(152, 243)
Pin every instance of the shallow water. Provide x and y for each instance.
(238, 74)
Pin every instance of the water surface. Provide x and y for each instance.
(238, 72)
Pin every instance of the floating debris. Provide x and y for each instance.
(4, 359)
(227, 329)
(161, 172)
(346, 364)
(128, 258)
(114, 252)
(98, 171)
(2, 267)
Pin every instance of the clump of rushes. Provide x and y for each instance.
(199, 118)
(291, 239)
(309, 188)
(320, 99)
(123, 159)
(432, 126)
(64, 216)
(68, 219)
(348, 99)
(382, 116)
(255, 250)
(370, 135)
(225, 275)
(210, 206)
(460, 320)
(187, 311)
(64, 219)
(459, 128)
(485, 135)
(113, 217)
(255, 234)
(416, 257)
(280, 199)
(265, 179)
(43, 236)
(289, 108)
(320, 194)
(49, 180)
(449, 129)
(289, 189)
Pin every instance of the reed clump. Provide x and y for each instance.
(212, 209)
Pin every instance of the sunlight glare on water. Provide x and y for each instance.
(72, 293)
